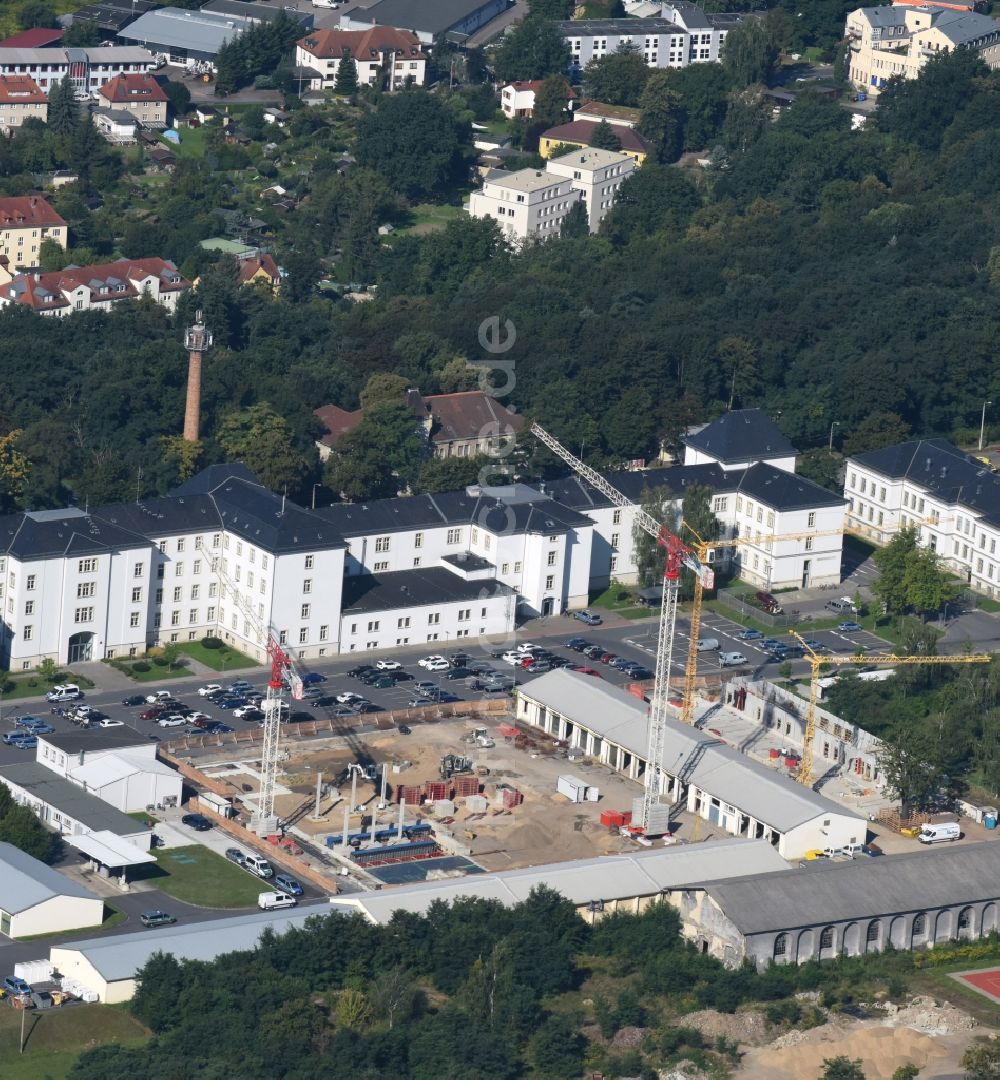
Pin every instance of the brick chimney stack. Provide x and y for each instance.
(197, 340)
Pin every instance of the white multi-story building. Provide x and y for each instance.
(597, 175)
(683, 35)
(382, 55)
(88, 69)
(223, 556)
(951, 499)
(527, 204)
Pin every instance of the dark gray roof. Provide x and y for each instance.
(252, 12)
(943, 471)
(72, 742)
(410, 588)
(69, 798)
(741, 435)
(430, 16)
(204, 482)
(784, 490)
(53, 533)
(631, 27)
(693, 16)
(862, 889)
(26, 882)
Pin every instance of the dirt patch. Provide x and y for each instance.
(747, 1027)
(924, 1033)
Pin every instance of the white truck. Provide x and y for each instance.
(272, 901)
(937, 833)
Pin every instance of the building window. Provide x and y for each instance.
(263, 562)
(324, 632)
(553, 555)
(454, 536)
(283, 637)
(177, 594)
(780, 945)
(28, 633)
(193, 615)
(373, 626)
(919, 924)
(181, 543)
(175, 618)
(210, 614)
(381, 544)
(418, 540)
(434, 618)
(216, 539)
(84, 589)
(133, 619)
(309, 561)
(517, 568)
(83, 614)
(811, 521)
(163, 547)
(307, 585)
(379, 566)
(87, 566)
(826, 938)
(550, 581)
(29, 582)
(304, 614)
(809, 543)
(213, 589)
(138, 570)
(403, 624)
(239, 547)
(303, 635)
(615, 537)
(196, 568)
(195, 592)
(873, 930)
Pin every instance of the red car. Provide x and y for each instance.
(152, 714)
(607, 657)
(588, 671)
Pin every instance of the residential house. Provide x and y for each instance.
(25, 221)
(94, 288)
(950, 498)
(88, 69)
(141, 95)
(615, 115)
(382, 55)
(529, 204)
(597, 175)
(899, 40)
(581, 133)
(116, 125)
(260, 270)
(204, 114)
(162, 160)
(517, 99)
(21, 98)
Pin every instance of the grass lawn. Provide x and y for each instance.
(609, 601)
(986, 603)
(426, 218)
(35, 686)
(155, 673)
(192, 144)
(224, 659)
(199, 876)
(57, 1037)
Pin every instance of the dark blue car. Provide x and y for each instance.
(311, 678)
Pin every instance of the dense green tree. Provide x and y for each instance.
(263, 440)
(659, 504)
(81, 35)
(450, 473)
(551, 102)
(534, 49)
(64, 111)
(256, 51)
(981, 1060)
(750, 53)
(379, 458)
(556, 1050)
(575, 224)
(604, 137)
(36, 13)
(178, 96)
(617, 78)
(747, 119)
(19, 826)
(304, 271)
(893, 561)
(821, 467)
(346, 81)
(556, 10)
(878, 429)
(413, 141)
(663, 116)
(842, 1068)
(652, 199)
(698, 521)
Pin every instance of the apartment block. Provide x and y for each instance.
(25, 221)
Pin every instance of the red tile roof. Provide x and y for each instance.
(46, 292)
(21, 90)
(26, 211)
(249, 267)
(338, 422)
(128, 89)
(582, 131)
(470, 415)
(36, 38)
(362, 44)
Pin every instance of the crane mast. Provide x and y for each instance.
(264, 822)
(653, 821)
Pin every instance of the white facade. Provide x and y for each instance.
(88, 69)
(528, 204)
(951, 499)
(60, 913)
(597, 175)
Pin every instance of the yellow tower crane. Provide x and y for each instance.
(816, 661)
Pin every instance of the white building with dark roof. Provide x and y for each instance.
(35, 899)
(949, 497)
(706, 776)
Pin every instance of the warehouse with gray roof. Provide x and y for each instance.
(707, 777)
(35, 899)
(823, 910)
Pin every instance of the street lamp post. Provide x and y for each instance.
(315, 486)
(835, 424)
(982, 425)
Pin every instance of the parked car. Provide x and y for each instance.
(198, 822)
(437, 665)
(536, 667)
(209, 688)
(324, 702)
(231, 702)
(288, 884)
(40, 727)
(343, 713)
(313, 678)
(12, 738)
(388, 665)
(106, 722)
(512, 658)
(66, 692)
(156, 918)
(403, 729)
(174, 721)
(158, 695)
(25, 741)
(15, 985)
(417, 702)
(215, 727)
(749, 635)
(347, 696)
(424, 686)
(27, 721)
(458, 673)
(849, 627)
(234, 854)
(312, 693)
(426, 661)
(133, 700)
(593, 652)
(357, 672)
(639, 673)
(526, 647)
(587, 617)
(577, 644)
(258, 866)
(459, 659)
(771, 643)
(152, 714)
(769, 604)
(588, 671)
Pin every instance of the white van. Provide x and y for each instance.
(271, 901)
(731, 659)
(934, 834)
(706, 644)
(256, 865)
(69, 692)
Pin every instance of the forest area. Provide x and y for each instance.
(820, 273)
(469, 990)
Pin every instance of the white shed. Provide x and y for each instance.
(35, 899)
